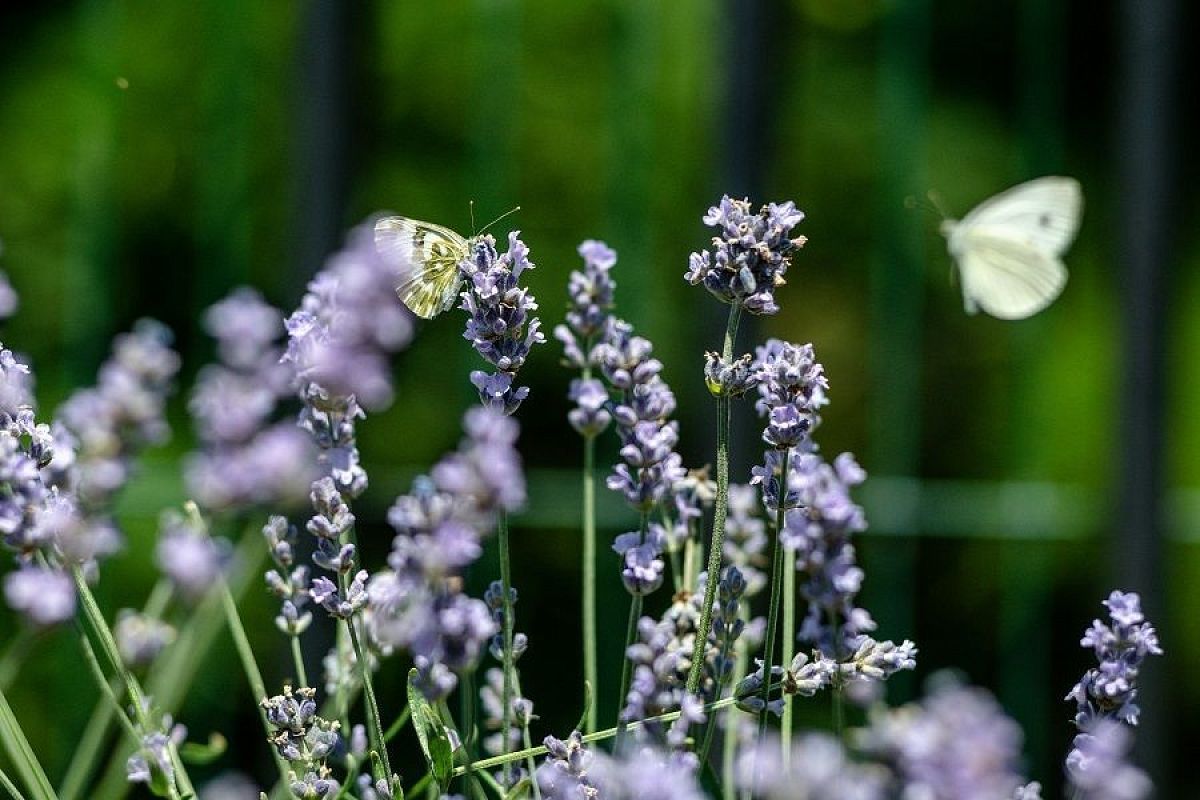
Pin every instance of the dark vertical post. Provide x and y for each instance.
(1145, 159)
(744, 148)
(321, 136)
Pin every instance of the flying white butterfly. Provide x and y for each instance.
(1009, 248)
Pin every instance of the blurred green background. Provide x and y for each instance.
(154, 155)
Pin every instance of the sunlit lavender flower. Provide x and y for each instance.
(647, 773)
(289, 580)
(44, 596)
(751, 254)
(590, 303)
(642, 570)
(348, 324)
(500, 327)
(24, 498)
(564, 773)
(1109, 690)
(590, 417)
(187, 555)
(123, 413)
(153, 763)
(1098, 765)
(140, 638)
(417, 604)
(819, 768)
(956, 745)
(733, 378)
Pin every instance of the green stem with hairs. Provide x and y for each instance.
(635, 613)
(106, 688)
(298, 661)
(591, 670)
(789, 649)
(374, 723)
(509, 622)
(720, 509)
(776, 591)
(598, 736)
(729, 749)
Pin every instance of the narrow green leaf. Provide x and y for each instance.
(431, 733)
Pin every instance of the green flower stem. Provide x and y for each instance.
(106, 687)
(398, 725)
(374, 721)
(635, 613)
(506, 588)
(729, 748)
(776, 593)
(530, 764)
(838, 711)
(598, 736)
(20, 753)
(720, 509)
(591, 672)
(176, 668)
(10, 787)
(789, 648)
(467, 697)
(298, 661)
(98, 628)
(95, 733)
(249, 666)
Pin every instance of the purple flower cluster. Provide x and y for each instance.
(418, 604)
(1109, 690)
(564, 773)
(500, 327)
(304, 740)
(956, 745)
(288, 580)
(646, 772)
(348, 324)
(187, 555)
(1098, 765)
(123, 413)
(751, 254)
(1106, 702)
(590, 304)
(246, 459)
(746, 537)
(818, 768)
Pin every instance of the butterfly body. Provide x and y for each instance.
(1009, 248)
(425, 258)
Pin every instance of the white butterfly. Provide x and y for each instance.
(425, 257)
(1009, 248)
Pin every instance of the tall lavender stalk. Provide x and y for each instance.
(503, 331)
(591, 300)
(748, 263)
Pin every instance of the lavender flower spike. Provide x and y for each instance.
(750, 255)
(500, 327)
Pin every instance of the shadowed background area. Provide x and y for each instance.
(155, 155)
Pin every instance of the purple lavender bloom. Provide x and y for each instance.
(123, 413)
(500, 327)
(590, 305)
(1109, 690)
(491, 697)
(733, 378)
(16, 387)
(957, 745)
(751, 254)
(647, 773)
(1098, 765)
(188, 556)
(819, 768)
(348, 324)
(154, 761)
(246, 329)
(590, 417)
(564, 773)
(44, 596)
(746, 536)
(642, 572)
(417, 604)
(140, 638)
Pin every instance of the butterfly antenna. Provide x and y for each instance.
(511, 211)
(471, 205)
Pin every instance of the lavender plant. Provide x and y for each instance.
(788, 535)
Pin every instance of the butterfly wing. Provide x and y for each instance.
(425, 260)
(1043, 213)
(1007, 278)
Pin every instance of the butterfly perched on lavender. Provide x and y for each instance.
(425, 258)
